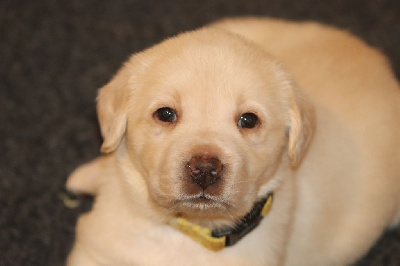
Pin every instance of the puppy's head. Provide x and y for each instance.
(207, 119)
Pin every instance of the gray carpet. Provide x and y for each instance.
(54, 55)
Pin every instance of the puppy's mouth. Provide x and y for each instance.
(201, 202)
(204, 209)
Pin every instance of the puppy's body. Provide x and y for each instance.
(334, 193)
(340, 211)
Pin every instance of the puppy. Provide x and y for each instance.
(283, 136)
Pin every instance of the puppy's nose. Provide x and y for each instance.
(204, 170)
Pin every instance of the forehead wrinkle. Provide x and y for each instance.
(220, 94)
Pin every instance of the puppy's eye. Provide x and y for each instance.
(166, 114)
(248, 120)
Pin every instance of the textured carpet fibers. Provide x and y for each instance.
(54, 55)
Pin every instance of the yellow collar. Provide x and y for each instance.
(218, 239)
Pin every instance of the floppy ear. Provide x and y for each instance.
(112, 103)
(302, 126)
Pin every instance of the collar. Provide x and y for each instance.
(218, 239)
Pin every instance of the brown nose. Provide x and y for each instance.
(204, 170)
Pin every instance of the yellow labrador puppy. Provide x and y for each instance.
(247, 142)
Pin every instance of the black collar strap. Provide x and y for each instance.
(220, 238)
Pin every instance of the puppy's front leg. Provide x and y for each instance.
(87, 178)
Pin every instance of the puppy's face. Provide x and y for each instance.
(206, 117)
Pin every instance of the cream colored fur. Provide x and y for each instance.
(327, 145)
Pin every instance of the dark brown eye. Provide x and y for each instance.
(166, 114)
(248, 120)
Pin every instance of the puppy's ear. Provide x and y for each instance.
(302, 126)
(112, 102)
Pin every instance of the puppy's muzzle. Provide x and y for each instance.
(204, 171)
